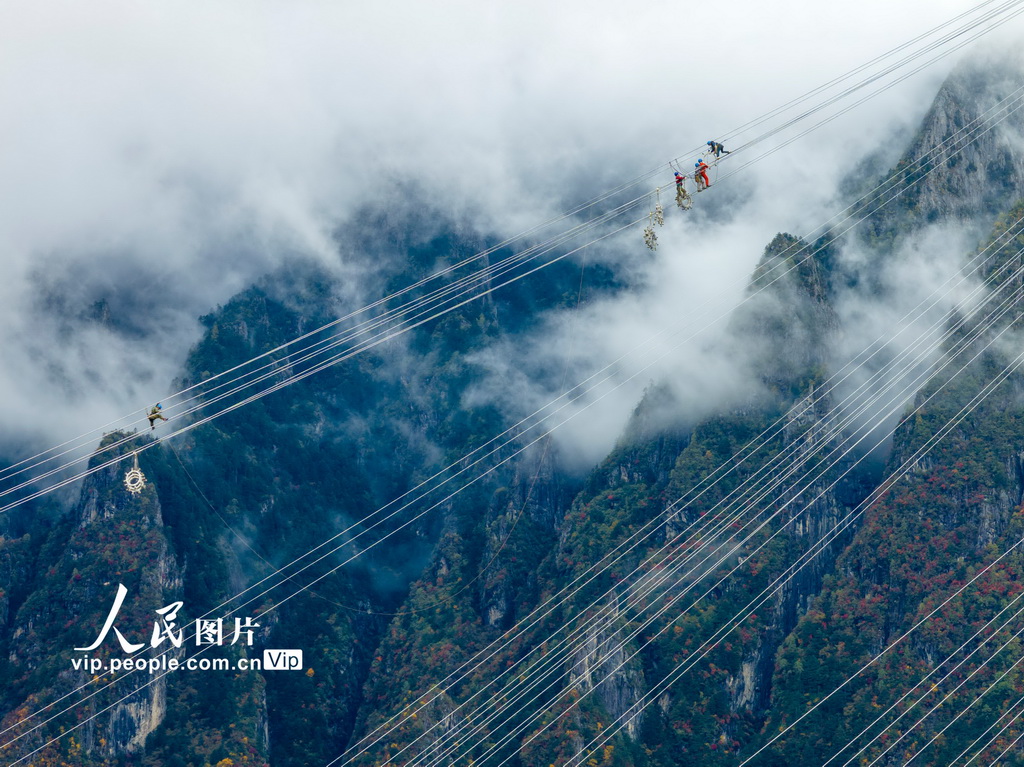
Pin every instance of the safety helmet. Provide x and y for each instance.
(159, 406)
(696, 165)
(711, 143)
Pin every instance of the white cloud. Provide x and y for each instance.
(181, 150)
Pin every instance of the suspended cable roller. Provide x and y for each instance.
(134, 479)
(656, 217)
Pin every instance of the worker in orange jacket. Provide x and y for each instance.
(701, 175)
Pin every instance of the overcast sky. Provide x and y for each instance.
(162, 156)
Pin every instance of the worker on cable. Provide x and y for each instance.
(682, 196)
(717, 149)
(155, 414)
(701, 175)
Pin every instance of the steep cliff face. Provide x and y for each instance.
(786, 332)
(810, 511)
(966, 162)
(786, 327)
(17, 556)
(522, 521)
(604, 665)
(939, 549)
(112, 537)
(528, 553)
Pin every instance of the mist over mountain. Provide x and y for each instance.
(158, 164)
(574, 571)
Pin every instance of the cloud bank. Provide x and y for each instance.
(157, 158)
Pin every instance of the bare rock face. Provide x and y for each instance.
(526, 512)
(966, 163)
(814, 513)
(131, 722)
(601, 665)
(111, 537)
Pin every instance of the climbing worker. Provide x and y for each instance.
(717, 149)
(683, 199)
(701, 175)
(155, 414)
